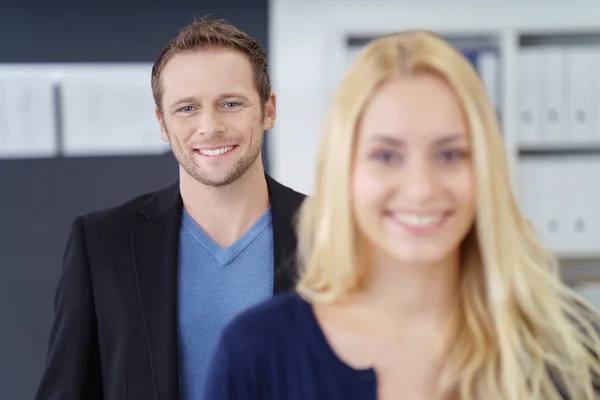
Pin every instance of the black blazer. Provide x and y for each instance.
(114, 335)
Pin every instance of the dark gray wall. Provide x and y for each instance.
(40, 198)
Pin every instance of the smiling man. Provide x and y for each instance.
(148, 286)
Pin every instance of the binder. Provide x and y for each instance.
(485, 59)
(471, 54)
(593, 204)
(552, 98)
(27, 112)
(577, 209)
(580, 75)
(529, 95)
(595, 135)
(542, 200)
(582, 176)
(528, 194)
(488, 67)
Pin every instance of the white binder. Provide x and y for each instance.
(596, 94)
(582, 174)
(27, 112)
(542, 199)
(581, 117)
(530, 86)
(593, 205)
(109, 110)
(488, 66)
(576, 210)
(528, 194)
(552, 98)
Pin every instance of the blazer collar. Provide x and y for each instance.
(155, 245)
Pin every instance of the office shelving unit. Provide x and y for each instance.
(327, 33)
(553, 164)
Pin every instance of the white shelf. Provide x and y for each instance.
(509, 25)
(560, 146)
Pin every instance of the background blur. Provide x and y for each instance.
(77, 130)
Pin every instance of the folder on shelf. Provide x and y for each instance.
(593, 204)
(27, 112)
(584, 203)
(488, 67)
(108, 110)
(581, 72)
(578, 209)
(486, 61)
(542, 200)
(596, 94)
(529, 95)
(552, 72)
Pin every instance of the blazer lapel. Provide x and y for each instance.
(155, 245)
(155, 252)
(284, 207)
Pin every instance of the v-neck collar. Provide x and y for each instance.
(225, 255)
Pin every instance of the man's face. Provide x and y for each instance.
(212, 114)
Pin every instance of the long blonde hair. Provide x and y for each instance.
(519, 332)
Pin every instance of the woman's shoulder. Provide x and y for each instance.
(278, 317)
(255, 346)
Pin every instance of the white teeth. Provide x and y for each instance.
(418, 220)
(216, 152)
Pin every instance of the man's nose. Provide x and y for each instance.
(211, 122)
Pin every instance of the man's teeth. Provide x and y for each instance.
(216, 152)
(418, 220)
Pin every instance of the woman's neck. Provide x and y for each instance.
(410, 293)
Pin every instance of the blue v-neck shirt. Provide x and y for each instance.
(214, 285)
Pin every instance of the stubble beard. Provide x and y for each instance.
(186, 160)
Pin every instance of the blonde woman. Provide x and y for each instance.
(421, 279)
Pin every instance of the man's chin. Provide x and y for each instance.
(215, 180)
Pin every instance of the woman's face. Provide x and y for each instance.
(413, 182)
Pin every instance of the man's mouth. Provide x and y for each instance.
(216, 151)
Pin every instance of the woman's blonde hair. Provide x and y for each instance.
(519, 332)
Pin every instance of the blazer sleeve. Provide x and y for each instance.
(233, 374)
(72, 369)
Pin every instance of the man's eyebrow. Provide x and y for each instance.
(189, 99)
(233, 94)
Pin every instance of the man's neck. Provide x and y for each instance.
(226, 213)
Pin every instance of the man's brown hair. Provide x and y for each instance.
(206, 33)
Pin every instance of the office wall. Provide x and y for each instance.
(39, 198)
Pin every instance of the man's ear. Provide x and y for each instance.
(270, 112)
(163, 132)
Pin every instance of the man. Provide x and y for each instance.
(147, 286)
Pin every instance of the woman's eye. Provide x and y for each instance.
(452, 155)
(386, 157)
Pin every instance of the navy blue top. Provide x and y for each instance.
(276, 351)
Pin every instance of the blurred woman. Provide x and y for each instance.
(421, 279)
